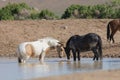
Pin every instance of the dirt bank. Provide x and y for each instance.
(13, 33)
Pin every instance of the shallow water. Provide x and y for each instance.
(11, 70)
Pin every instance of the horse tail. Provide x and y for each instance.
(100, 47)
(108, 31)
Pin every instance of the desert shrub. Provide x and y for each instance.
(85, 12)
(34, 16)
(117, 15)
(97, 11)
(104, 11)
(6, 15)
(69, 12)
(23, 11)
(46, 14)
(12, 10)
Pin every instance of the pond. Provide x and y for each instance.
(11, 70)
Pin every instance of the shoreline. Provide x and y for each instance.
(96, 75)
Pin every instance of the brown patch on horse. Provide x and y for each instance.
(29, 50)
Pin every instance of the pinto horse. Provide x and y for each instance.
(112, 27)
(39, 48)
(77, 44)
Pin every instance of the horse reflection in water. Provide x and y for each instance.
(39, 48)
(33, 69)
(77, 44)
(84, 65)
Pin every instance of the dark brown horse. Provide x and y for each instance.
(112, 27)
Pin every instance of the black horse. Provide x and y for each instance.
(77, 44)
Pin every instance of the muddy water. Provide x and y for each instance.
(11, 70)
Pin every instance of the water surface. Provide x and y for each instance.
(11, 70)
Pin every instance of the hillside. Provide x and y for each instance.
(56, 6)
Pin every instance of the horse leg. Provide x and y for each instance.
(74, 55)
(39, 57)
(95, 54)
(23, 60)
(19, 60)
(94, 57)
(112, 36)
(78, 55)
(42, 57)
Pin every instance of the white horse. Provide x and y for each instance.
(39, 48)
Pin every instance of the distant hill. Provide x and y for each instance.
(56, 6)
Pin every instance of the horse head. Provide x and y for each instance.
(54, 44)
(60, 49)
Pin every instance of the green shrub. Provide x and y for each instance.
(96, 11)
(45, 14)
(69, 11)
(9, 11)
(34, 16)
(23, 11)
(5, 14)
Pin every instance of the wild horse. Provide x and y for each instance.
(39, 48)
(77, 44)
(112, 27)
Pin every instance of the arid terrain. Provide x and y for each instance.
(13, 33)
